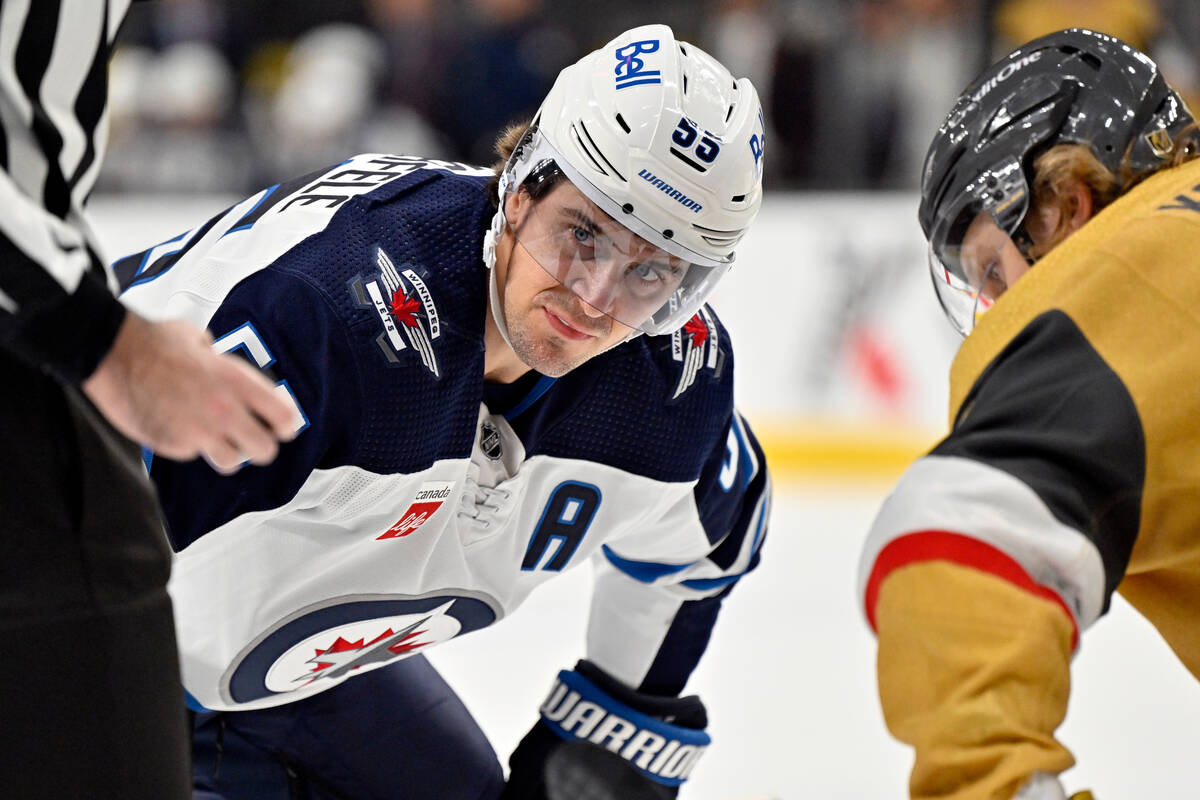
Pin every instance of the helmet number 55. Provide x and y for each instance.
(704, 148)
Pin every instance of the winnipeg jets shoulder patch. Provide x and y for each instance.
(695, 346)
(406, 311)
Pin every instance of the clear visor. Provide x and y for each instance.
(614, 267)
(972, 253)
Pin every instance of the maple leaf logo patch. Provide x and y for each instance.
(406, 309)
(695, 346)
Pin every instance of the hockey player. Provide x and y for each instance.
(1061, 195)
(478, 411)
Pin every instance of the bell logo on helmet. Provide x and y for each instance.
(631, 70)
(1004, 74)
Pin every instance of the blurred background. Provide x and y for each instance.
(842, 350)
(232, 96)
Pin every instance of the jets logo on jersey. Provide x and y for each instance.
(324, 645)
(695, 345)
(429, 499)
(342, 656)
(405, 308)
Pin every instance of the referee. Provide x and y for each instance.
(90, 698)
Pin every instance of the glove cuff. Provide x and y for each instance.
(661, 751)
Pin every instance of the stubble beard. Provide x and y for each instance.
(540, 352)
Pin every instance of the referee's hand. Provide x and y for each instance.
(163, 386)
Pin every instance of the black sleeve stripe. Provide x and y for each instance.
(34, 50)
(1052, 413)
(89, 110)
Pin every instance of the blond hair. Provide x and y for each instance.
(1056, 169)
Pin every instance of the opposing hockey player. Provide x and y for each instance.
(497, 375)
(1061, 201)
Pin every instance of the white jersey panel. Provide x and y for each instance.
(457, 534)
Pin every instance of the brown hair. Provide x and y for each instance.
(538, 182)
(1055, 169)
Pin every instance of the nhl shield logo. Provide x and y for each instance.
(695, 346)
(490, 442)
(405, 308)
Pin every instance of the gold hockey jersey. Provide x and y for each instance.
(1072, 469)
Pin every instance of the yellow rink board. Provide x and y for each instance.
(816, 449)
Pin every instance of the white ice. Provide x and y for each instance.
(789, 677)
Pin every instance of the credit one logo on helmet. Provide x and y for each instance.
(631, 70)
(669, 190)
(1004, 74)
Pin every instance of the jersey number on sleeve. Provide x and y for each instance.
(246, 340)
(566, 517)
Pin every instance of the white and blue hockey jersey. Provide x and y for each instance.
(417, 503)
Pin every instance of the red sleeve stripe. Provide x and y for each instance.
(921, 546)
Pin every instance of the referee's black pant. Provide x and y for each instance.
(91, 704)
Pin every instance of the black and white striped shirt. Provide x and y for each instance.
(57, 303)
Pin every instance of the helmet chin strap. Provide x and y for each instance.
(490, 240)
(498, 308)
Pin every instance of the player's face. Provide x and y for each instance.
(550, 327)
(990, 259)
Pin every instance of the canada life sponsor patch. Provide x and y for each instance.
(426, 502)
(695, 347)
(406, 311)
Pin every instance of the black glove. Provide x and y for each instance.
(597, 739)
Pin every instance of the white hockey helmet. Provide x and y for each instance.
(669, 145)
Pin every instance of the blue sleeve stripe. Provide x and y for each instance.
(193, 703)
(643, 571)
(704, 584)
(241, 224)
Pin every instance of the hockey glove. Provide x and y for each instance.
(597, 739)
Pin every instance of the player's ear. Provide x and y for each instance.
(1079, 206)
(516, 206)
(1057, 214)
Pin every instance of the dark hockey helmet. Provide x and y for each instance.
(1073, 86)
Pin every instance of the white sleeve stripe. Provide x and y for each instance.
(80, 25)
(116, 14)
(967, 497)
(744, 441)
(26, 163)
(57, 247)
